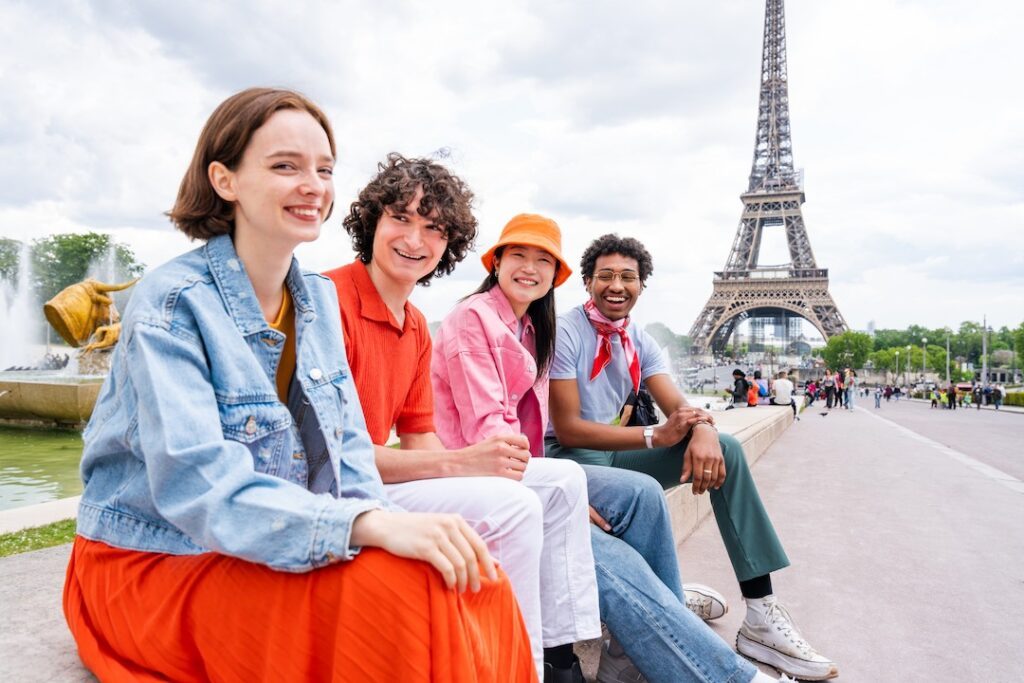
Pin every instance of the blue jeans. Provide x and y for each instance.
(639, 589)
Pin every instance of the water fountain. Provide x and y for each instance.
(35, 391)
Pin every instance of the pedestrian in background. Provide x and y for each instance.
(829, 381)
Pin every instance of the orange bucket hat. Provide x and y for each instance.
(533, 231)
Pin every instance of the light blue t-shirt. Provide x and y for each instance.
(575, 346)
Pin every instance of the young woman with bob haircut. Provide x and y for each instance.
(233, 526)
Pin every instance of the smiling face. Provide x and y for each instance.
(283, 188)
(608, 287)
(525, 274)
(406, 245)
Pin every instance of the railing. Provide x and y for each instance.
(772, 273)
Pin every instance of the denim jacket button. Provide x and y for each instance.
(338, 431)
(296, 456)
(330, 557)
(250, 426)
(315, 374)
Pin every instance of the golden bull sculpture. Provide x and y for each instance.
(85, 316)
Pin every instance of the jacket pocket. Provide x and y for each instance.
(264, 427)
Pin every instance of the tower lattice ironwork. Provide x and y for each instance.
(773, 199)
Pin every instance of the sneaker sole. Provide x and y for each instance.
(766, 655)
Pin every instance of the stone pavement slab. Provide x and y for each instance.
(1002, 446)
(36, 644)
(908, 564)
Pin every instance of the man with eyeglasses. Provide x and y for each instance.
(601, 356)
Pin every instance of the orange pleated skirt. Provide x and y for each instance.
(140, 616)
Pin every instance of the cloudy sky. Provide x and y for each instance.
(632, 117)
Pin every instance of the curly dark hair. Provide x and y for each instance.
(394, 186)
(613, 244)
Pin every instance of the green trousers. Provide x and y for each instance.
(747, 532)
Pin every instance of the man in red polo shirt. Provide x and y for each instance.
(411, 223)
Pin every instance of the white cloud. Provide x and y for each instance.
(634, 118)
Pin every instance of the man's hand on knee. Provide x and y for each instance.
(703, 462)
(506, 455)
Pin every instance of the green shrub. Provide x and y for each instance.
(1015, 398)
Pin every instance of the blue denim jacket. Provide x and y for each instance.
(189, 449)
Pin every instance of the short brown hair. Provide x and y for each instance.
(395, 185)
(199, 211)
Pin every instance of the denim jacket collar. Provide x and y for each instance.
(236, 289)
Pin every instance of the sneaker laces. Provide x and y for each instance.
(777, 616)
(699, 605)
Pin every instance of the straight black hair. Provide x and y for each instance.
(541, 312)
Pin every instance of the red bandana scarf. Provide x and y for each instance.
(605, 329)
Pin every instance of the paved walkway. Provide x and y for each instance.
(908, 554)
(905, 536)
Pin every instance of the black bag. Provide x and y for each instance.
(639, 410)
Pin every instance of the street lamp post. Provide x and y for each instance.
(947, 358)
(924, 357)
(896, 375)
(906, 374)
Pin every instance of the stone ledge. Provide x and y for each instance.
(38, 646)
(39, 514)
(756, 429)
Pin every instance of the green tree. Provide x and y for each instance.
(62, 260)
(883, 360)
(677, 344)
(1018, 341)
(9, 259)
(847, 350)
(888, 339)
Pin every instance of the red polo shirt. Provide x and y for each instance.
(390, 364)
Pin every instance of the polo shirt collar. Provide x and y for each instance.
(372, 306)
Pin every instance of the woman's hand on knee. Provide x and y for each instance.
(446, 541)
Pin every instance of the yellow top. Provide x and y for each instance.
(285, 324)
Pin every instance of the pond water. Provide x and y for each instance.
(38, 465)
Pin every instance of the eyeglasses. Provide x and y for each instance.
(626, 277)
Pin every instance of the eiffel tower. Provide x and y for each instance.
(746, 289)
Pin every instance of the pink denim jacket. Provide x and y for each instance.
(485, 379)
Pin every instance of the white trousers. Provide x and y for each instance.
(539, 530)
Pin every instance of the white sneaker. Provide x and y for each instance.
(705, 602)
(616, 667)
(773, 638)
